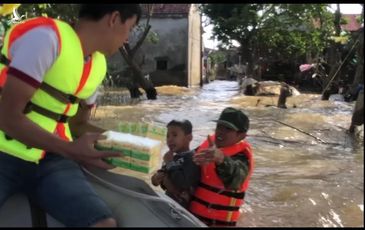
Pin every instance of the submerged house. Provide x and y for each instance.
(176, 57)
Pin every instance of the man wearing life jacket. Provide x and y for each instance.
(53, 71)
(226, 166)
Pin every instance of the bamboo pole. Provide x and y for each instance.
(302, 131)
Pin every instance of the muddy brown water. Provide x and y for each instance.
(298, 180)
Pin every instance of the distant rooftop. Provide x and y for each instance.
(352, 23)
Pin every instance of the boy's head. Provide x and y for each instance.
(179, 135)
(231, 128)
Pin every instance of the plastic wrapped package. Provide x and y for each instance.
(140, 154)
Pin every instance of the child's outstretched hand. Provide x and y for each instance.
(211, 154)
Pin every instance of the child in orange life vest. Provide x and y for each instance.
(226, 167)
(178, 176)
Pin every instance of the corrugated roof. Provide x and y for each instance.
(352, 23)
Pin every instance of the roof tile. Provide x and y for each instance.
(352, 23)
(168, 9)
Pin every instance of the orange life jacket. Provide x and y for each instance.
(212, 202)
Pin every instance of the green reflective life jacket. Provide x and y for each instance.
(69, 74)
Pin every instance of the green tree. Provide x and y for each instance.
(217, 57)
(276, 31)
(65, 12)
(234, 22)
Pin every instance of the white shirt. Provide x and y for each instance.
(34, 60)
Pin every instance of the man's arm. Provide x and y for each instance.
(233, 171)
(16, 94)
(79, 124)
(14, 123)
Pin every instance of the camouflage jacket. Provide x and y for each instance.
(233, 171)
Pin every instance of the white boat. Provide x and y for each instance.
(133, 202)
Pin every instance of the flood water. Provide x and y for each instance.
(299, 180)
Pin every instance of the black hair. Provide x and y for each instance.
(185, 125)
(97, 11)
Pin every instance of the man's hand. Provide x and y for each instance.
(169, 156)
(157, 178)
(82, 150)
(211, 154)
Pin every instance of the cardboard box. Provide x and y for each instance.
(143, 129)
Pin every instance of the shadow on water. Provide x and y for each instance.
(298, 180)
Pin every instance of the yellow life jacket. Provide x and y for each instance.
(69, 75)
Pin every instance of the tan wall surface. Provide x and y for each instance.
(194, 47)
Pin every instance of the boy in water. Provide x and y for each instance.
(178, 175)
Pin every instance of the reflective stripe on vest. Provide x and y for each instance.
(68, 74)
(212, 202)
(3, 73)
(21, 28)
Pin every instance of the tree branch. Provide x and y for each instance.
(139, 75)
(125, 55)
(317, 138)
(140, 41)
(146, 31)
(128, 50)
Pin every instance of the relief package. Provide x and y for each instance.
(142, 154)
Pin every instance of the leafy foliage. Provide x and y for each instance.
(217, 57)
(277, 30)
(65, 12)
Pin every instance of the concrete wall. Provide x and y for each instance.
(172, 34)
(172, 43)
(194, 48)
(179, 42)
